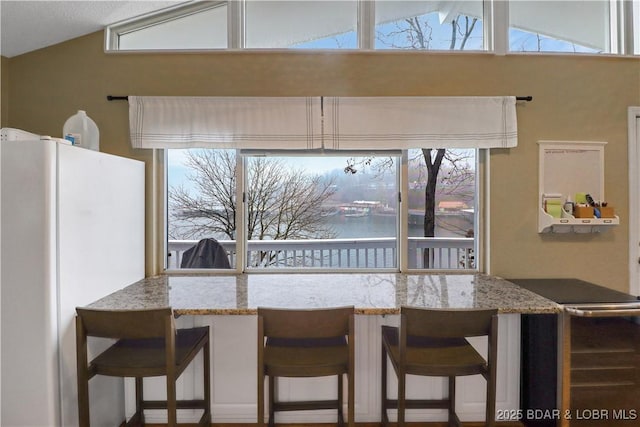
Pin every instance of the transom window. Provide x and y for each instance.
(563, 26)
(353, 211)
(567, 26)
(301, 24)
(201, 25)
(429, 25)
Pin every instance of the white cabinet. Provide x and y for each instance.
(567, 168)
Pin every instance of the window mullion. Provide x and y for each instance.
(241, 213)
(496, 13)
(482, 243)
(627, 29)
(235, 24)
(366, 24)
(616, 38)
(158, 218)
(402, 243)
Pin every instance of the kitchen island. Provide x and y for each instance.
(228, 304)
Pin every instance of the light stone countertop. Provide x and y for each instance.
(370, 293)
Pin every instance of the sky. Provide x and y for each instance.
(176, 171)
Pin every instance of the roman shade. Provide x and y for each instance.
(332, 123)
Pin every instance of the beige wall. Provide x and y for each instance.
(575, 98)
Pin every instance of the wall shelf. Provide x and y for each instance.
(570, 224)
(565, 169)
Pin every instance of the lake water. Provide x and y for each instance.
(386, 226)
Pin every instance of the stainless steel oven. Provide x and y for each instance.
(582, 367)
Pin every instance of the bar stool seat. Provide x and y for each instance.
(435, 357)
(148, 345)
(306, 357)
(305, 343)
(432, 342)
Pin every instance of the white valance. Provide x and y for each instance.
(420, 122)
(333, 123)
(225, 122)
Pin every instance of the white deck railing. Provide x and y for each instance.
(451, 253)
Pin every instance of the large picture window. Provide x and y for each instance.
(337, 212)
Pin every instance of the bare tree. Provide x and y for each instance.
(285, 203)
(207, 207)
(456, 180)
(282, 202)
(416, 33)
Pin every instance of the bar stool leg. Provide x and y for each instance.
(171, 402)
(491, 403)
(401, 397)
(83, 375)
(340, 400)
(351, 399)
(83, 402)
(206, 355)
(272, 398)
(452, 402)
(139, 415)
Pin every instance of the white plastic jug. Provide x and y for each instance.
(82, 131)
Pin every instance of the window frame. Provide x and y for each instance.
(481, 208)
(248, 154)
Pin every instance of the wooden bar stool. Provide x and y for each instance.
(148, 345)
(431, 342)
(305, 343)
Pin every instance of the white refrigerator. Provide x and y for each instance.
(72, 231)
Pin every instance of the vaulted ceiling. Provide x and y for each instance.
(26, 26)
